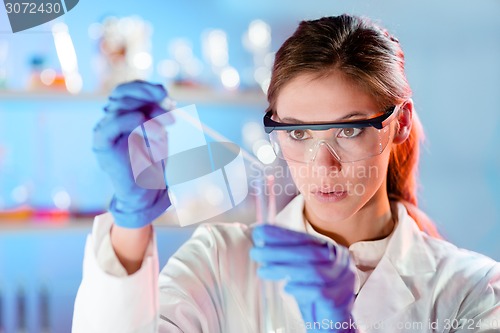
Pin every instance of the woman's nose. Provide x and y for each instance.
(325, 156)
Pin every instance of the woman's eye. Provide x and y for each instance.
(298, 134)
(349, 133)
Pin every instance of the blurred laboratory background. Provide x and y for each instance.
(216, 54)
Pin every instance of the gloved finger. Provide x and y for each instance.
(311, 253)
(127, 104)
(341, 292)
(318, 274)
(110, 129)
(166, 117)
(272, 234)
(157, 127)
(139, 90)
(136, 95)
(151, 110)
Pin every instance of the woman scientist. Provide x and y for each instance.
(352, 251)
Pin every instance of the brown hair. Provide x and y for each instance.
(369, 56)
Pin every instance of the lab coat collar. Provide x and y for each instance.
(406, 255)
(406, 249)
(291, 217)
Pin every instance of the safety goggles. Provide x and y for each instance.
(347, 141)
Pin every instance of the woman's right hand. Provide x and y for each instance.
(134, 208)
(129, 106)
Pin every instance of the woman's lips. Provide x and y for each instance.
(325, 196)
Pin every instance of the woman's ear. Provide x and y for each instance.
(404, 122)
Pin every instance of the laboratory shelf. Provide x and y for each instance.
(180, 94)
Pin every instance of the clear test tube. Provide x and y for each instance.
(272, 310)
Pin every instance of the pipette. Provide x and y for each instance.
(210, 132)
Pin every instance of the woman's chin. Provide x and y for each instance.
(330, 209)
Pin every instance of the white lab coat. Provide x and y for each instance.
(421, 284)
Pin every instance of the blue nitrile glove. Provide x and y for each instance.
(130, 105)
(319, 274)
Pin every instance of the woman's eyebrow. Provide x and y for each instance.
(290, 120)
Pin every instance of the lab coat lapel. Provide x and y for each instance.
(406, 254)
(384, 286)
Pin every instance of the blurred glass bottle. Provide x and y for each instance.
(42, 77)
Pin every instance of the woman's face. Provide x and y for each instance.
(333, 191)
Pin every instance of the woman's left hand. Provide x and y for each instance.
(319, 274)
